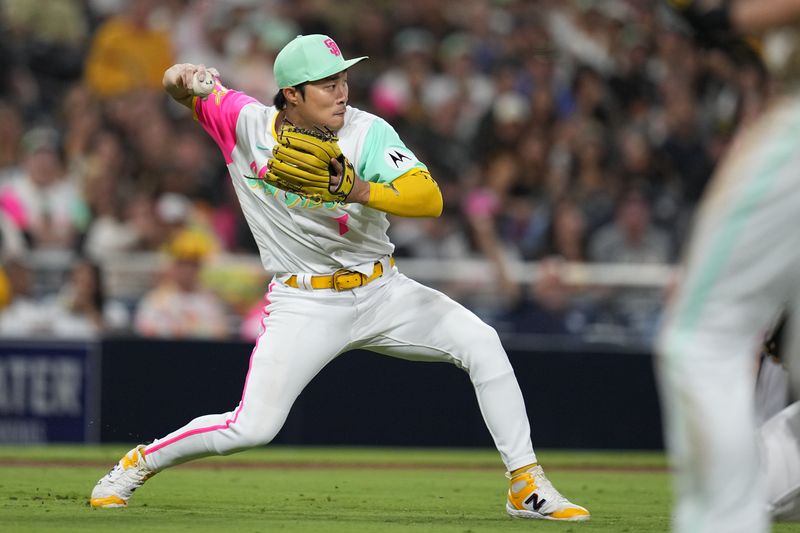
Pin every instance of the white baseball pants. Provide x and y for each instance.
(742, 266)
(306, 329)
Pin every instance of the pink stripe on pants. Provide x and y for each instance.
(228, 422)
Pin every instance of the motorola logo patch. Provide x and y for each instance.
(399, 158)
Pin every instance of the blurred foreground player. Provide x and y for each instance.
(741, 268)
(315, 179)
(780, 433)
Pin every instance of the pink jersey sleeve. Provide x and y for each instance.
(218, 114)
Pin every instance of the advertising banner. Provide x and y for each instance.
(49, 392)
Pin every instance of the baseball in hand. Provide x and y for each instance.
(205, 87)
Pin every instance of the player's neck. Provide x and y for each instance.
(286, 117)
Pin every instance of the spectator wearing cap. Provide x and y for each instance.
(179, 307)
(179, 214)
(504, 124)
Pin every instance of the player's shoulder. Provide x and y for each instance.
(256, 106)
(255, 112)
(268, 112)
(358, 123)
(354, 115)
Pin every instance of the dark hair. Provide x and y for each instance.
(99, 294)
(280, 99)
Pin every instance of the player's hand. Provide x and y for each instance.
(303, 163)
(187, 74)
(360, 192)
(178, 79)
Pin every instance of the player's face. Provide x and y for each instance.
(324, 103)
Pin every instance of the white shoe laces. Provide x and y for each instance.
(125, 481)
(547, 488)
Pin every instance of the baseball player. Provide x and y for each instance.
(741, 269)
(315, 179)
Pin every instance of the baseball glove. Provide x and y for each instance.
(302, 164)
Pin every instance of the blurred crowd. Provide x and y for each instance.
(560, 131)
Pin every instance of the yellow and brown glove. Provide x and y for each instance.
(302, 164)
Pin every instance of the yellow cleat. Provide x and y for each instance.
(115, 488)
(531, 495)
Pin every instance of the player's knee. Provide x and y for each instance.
(483, 353)
(252, 436)
(483, 336)
(250, 432)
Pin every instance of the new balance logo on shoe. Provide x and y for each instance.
(531, 495)
(537, 503)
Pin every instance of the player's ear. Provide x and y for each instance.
(294, 94)
(290, 95)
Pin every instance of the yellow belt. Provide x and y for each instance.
(342, 280)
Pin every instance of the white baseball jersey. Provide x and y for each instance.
(295, 234)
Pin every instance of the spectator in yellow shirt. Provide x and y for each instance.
(126, 54)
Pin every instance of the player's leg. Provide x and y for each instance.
(738, 273)
(415, 322)
(709, 430)
(405, 319)
(300, 337)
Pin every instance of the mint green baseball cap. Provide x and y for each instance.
(309, 58)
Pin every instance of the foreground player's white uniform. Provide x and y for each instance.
(303, 328)
(780, 432)
(742, 266)
(780, 439)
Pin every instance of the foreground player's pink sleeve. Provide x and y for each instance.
(218, 114)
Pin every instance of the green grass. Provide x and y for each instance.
(329, 490)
